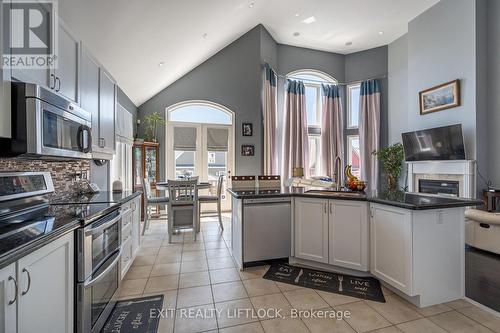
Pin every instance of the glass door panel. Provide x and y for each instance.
(184, 164)
(151, 164)
(138, 166)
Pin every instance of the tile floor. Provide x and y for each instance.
(200, 277)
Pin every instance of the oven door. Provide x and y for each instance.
(96, 297)
(63, 133)
(96, 243)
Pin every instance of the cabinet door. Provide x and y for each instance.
(89, 90)
(5, 130)
(311, 229)
(107, 108)
(67, 69)
(348, 239)
(46, 288)
(136, 225)
(391, 246)
(8, 299)
(151, 172)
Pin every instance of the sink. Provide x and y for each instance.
(338, 194)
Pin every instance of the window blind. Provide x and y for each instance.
(185, 138)
(217, 139)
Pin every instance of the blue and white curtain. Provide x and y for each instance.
(295, 140)
(332, 129)
(269, 110)
(369, 131)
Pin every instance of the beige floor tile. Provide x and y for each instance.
(271, 306)
(224, 275)
(170, 250)
(211, 245)
(195, 296)
(259, 287)
(362, 317)
(194, 279)
(155, 243)
(456, 322)
(485, 318)
(336, 299)
(228, 291)
(132, 287)
(287, 286)
(395, 310)
(420, 326)
(193, 256)
(218, 253)
(219, 263)
(284, 325)
(246, 328)
(162, 283)
(458, 304)
(138, 272)
(166, 325)
(305, 299)
(168, 258)
(194, 266)
(253, 272)
(144, 260)
(235, 312)
(166, 269)
(187, 321)
(148, 251)
(169, 298)
(390, 329)
(327, 324)
(193, 247)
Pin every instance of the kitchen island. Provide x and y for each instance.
(413, 243)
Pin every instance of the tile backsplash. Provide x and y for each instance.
(63, 173)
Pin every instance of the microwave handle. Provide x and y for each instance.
(79, 139)
(101, 276)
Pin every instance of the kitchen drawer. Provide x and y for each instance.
(126, 232)
(126, 256)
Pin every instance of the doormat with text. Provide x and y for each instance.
(366, 288)
(134, 316)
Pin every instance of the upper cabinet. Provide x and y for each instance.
(107, 112)
(5, 131)
(89, 92)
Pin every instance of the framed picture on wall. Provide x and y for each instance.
(247, 150)
(247, 129)
(442, 97)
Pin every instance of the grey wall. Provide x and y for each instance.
(398, 87)
(232, 77)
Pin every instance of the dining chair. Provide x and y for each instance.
(215, 199)
(182, 206)
(150, 200)
(269, 182)
(243, 182)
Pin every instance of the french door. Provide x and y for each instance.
(192, 152)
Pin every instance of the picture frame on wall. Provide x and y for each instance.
(247, 150)
(441, 97)
(247, 129)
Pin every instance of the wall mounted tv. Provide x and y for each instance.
(441, 143)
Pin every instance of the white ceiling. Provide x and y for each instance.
(131, 37)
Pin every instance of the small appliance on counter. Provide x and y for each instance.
(117, 186)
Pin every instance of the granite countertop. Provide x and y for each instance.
(100, 197)
(414, 201)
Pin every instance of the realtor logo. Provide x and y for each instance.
(29, 34)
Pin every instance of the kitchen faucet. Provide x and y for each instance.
(337, 174)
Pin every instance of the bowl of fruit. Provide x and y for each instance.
(353, 183)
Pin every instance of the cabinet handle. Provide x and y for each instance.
(52, 79)
(16, 290)
(331, 208)
(58, 81)
(324, 205)
(29, 282)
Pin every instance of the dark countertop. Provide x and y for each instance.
(49, 222)
(413, 201)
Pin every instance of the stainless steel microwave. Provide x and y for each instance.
(46, 125)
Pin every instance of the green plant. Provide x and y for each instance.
(392, 159)
(152, 121)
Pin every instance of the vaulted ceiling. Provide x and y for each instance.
(149, 44)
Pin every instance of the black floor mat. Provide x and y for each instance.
(133, 316)
(366, 288)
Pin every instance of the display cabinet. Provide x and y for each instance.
(146, 164)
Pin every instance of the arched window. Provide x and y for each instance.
(313, 79)
(200, 112)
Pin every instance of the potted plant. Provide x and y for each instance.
(152, 122)
(392, 159)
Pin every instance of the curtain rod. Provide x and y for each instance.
(338, 83)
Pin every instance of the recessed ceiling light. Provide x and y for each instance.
(251, 5)
(297, 15)
(348, 44)
(309, 20)
(380, 32)
(296, 34)
(204, 35)
(161, 64)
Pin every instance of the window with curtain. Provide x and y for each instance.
(353, 153)
(312, 81)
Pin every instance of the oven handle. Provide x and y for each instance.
(106, 271)
(103, 226)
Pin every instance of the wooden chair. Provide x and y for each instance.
(182, 206)
(215, 199)
(149, 201)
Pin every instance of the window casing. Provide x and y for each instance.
(352, 128)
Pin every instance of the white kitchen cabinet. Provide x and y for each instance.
(89, 91)
(311, 229)
(136, 225)
(131, 236)
(46, 288)
(391, 246)
(68, 56)
(348, 234)
(8, 299)
(107, 113)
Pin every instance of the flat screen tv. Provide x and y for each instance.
(441, 143)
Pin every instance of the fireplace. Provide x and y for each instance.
(432, 186)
